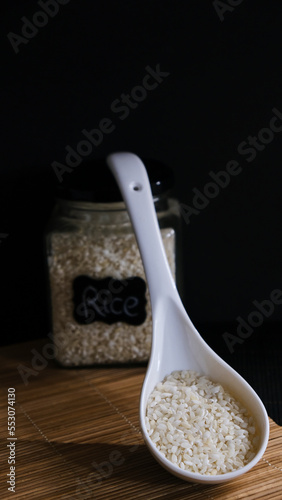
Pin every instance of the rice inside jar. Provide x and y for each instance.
(99, 300)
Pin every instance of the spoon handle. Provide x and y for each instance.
(132, 179)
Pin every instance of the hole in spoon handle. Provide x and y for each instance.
(136, 186)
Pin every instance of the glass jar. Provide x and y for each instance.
(99, 299)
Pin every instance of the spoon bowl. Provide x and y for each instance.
(176, 344)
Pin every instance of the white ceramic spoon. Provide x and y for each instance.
(176, 344)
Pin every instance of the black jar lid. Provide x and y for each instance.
(93, 181)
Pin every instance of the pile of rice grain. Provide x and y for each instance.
(199, 426)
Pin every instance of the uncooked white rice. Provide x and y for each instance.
(199, 426)
(98, 254)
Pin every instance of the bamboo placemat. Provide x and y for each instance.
(78, 437)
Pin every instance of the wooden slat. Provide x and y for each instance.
(69, 421)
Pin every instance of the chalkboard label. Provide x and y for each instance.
(109, 300)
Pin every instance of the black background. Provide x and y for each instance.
(224, 80)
